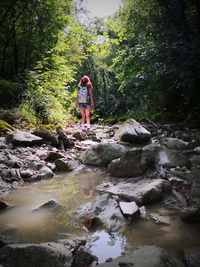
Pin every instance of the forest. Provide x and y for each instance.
(143, 61)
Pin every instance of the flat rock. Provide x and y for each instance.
(21, 138)
(128, 208)
(144, 191)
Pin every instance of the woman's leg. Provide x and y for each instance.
(87, 114)
(83, 114)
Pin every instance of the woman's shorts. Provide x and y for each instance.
(84, 105)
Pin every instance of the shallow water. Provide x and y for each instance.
(71, 191)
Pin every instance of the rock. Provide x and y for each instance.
(128, 208)
(64, 139)
(80, 135)
(195, 160)
(21, 138)
(132, 132)
(192, 256)
(179, 198)
(50, 205)
(102, 154)
(150, 256)
(160, 219)
(169, 158)
(41, 172)
(4, 187)
(35, 255)
(144, 191)
(132, 163)
(48, 136)
(52, 156)
(83, 258)
(197, 150)
(175, 143)
(190, 214)
(10, 175)
(195, 190)
(25, 174)
(4, 205)
(103, 211)
(63, 164)
(3, 144)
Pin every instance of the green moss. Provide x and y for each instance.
(5, 127)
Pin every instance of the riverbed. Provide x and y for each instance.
(71, 190)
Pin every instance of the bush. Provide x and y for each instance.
(10, 93)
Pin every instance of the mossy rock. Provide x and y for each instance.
(5, 127)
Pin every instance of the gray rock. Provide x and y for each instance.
(50, 205)
(35, 255)
(21, 138)
(83, 258)
(103, 211)
(132, 132)
(169, 158)
(144, 191)
(41, 172)
(195, 160)
(80, 135)
(197, 150)
(175, 143)
(102, 154)
(192, 256)
(4, 187)
(190, 214)
(52, 156)
(132, 163)
(3, 144)
(150, 256)
(128, 208)
(63, 164)
(47, 135)
(25, 174)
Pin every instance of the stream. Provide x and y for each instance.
(71, 190)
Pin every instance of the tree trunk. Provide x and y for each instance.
(15, 52)
(4, 58)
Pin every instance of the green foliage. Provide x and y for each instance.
(50, 96)
(10, 93)
(142, 62)
(5, 127)
(28, 29)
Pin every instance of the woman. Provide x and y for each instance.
(84, 101)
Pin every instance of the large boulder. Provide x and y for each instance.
(144, 191)
(41, 172)
(132, 132)
(103, 211)
(35, 255)
(102, 154)
(21, 138)
(133, 163)
(150, 256)
(47, 136)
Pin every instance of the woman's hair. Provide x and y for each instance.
(85, 80)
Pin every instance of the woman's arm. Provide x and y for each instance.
(77, 100)
(90, 90)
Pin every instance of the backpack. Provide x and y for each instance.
(83, 96)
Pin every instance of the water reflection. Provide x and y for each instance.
(71, 191)
(105, 246)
